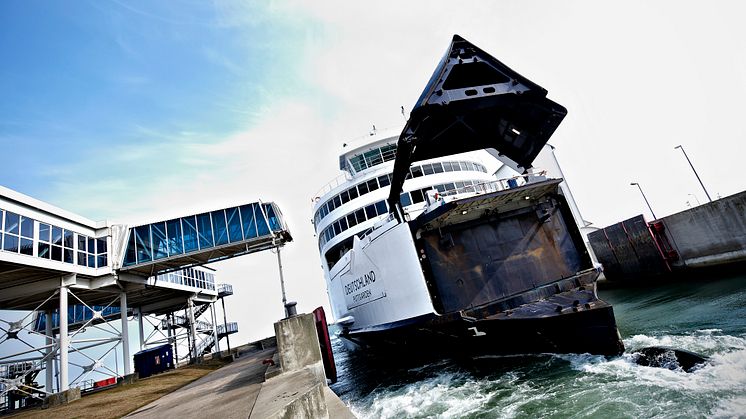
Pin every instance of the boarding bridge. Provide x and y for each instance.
(71, 274)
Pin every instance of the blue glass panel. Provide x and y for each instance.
(247, 218)
(100, 245)
(204, 226)
(189, 227)
(160, 244)
(274, 222)
(405, 200)
(56, 236)
(102, 260)
(92, 261)
(43, 250)
(129, 254)
(68, 239)
(27, 227)
(173, 229)
(234, 225)
(261, 223)
(221, 230)
(44, 230)
(11, 222)
(10, 243)
(57, 253)
(82, 259)
(144, 249)
(82, 243)
(370, 211)
(381, 207)
(69, 256)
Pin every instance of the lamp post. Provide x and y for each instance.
(645, 198)
(694, 170)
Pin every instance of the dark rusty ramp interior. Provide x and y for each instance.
(473, 262)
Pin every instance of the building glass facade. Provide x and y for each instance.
(52, 242)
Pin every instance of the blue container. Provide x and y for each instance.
(154, 360)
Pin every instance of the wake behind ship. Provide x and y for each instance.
(441, 254)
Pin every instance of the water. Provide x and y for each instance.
(707, 317)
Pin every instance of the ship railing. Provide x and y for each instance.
(497, 185)
(339, 180)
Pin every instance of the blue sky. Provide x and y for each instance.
(84, 79)
(136, 111)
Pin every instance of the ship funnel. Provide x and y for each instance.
(472, 102)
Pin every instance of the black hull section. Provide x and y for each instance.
(591, 331)
(574, 321)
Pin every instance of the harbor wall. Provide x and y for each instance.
(706, 236)
(710, 234)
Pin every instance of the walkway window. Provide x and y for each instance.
(173, 232)
(189, 226)
(247, 217)
(204, 227)
(234, 225)
(142, 240)
(261, 221)
(221, 229)
(160, 243)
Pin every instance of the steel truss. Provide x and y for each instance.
(49, 352)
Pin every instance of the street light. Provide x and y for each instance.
(645, 198)
(695, 171)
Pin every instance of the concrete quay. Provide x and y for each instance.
(295, 387)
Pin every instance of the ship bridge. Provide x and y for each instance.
(71, 274)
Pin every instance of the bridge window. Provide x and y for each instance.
(160, 243)
(142, 240)
(204, 227)
(234, 225)
(189, 227)
(173, 231)
(221, 229)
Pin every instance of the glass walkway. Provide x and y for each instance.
(193, 240)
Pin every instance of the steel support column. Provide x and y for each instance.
(193, 339)
(125, 334)
(64, 341)
(49, 364)
(174, 342)
(215, 328)
(225, 324)
(142, 331)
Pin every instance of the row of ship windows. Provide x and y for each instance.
(54, 243)
(385, 180)
(190, 277)
(198, 232)
(381, 207)
(373, 157)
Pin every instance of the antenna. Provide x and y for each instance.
(403, 114)
(373, 132)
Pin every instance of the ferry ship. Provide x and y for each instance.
(445, 238)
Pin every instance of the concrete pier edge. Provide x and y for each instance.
(296, 386)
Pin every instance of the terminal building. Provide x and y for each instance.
(62, 274)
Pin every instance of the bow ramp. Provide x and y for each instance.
(198, 239)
